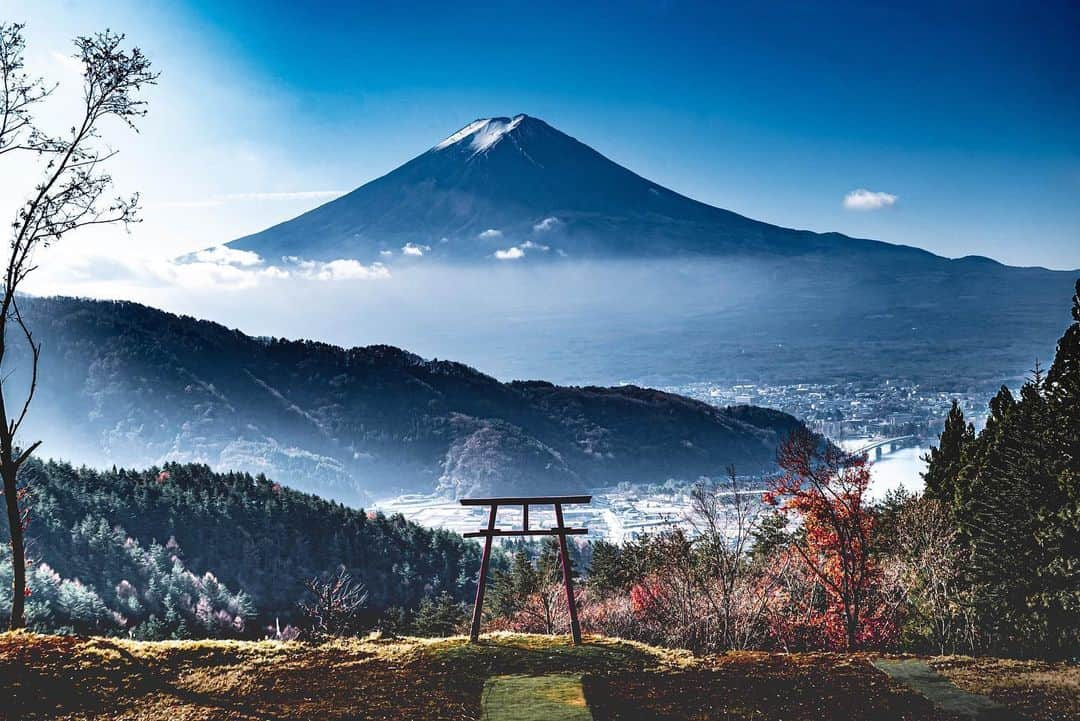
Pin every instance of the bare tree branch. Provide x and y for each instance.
(70, 195)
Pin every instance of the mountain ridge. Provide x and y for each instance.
(126, 384)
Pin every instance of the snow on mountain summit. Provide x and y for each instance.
(482, 134)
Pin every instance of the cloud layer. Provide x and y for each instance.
(218, 268)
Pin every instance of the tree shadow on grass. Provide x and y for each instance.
(53, 675)
(151, 680)
(750, 693)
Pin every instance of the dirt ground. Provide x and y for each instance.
(54, 677)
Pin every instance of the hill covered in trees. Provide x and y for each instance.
(183, 551)
(1012, 492)
(125, 384)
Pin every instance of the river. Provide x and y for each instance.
(902, 468)
(893, 470)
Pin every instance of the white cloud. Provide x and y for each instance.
(228, 256)
(511, 253)
(205, 275)
(546, 224)
(342, 269)
(218, 268)
(863, 199)
(490, 233)
(515, 252)
(386, 253)
(221, 273)
(414, 249)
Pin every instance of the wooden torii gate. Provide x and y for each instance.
(560, 530)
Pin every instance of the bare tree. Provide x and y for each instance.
(726, 517)
(929, 573)
(71, 193)
(336, 605)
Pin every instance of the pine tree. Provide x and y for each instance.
(441, 616)
(1056, 601)
(946, 460)
(1015, 496)
(605, 572)
(770, 535)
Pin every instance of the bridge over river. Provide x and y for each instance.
(882, 446)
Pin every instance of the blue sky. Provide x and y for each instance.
(967, 114)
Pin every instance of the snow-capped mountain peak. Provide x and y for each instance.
(486, 191)
(502, 178)
(482, 134)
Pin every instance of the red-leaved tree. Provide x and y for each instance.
(824, 490)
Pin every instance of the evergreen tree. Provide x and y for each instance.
(606, 575)
(441, 616)
(1016, 502)
(1056, 601)
(946, 460)
(770, 536)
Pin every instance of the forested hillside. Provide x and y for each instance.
(126, 384)
(183, 551)
(1013, 493)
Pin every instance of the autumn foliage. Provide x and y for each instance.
(800, 568)
(824, 490)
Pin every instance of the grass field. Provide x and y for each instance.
(97, 678)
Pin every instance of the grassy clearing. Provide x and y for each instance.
(46, 677)
(551, 697)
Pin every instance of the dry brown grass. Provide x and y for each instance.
(1040, 690)
(54, 677)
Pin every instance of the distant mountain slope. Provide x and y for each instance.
(127, 384)
(502, 183)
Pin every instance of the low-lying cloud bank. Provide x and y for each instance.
(226, 267)
(217, 268)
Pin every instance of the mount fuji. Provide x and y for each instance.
(598, 264)
(505, 188)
